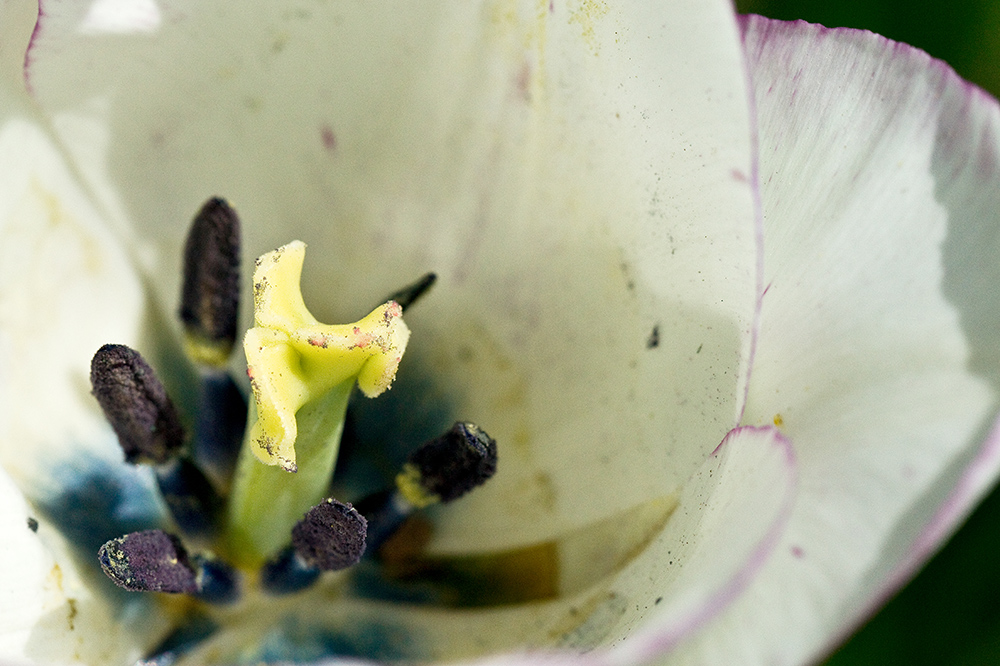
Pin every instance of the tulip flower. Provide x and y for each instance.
(720, 289)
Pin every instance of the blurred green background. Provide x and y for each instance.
(950, 614)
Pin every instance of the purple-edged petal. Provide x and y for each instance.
(728, 519)
(731, 516)
(17, 20)
(877, 351)
(576, 174)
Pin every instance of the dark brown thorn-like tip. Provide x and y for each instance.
(136, 405)
(408, 295)
(210, 292)
(150, 561)
(456, 462)
(330, 536)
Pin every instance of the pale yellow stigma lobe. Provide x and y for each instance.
(292, 358)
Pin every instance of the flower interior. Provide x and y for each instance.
(251, 511)
(595, 319)
(292, 505)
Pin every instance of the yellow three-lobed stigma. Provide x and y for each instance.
(293, 359)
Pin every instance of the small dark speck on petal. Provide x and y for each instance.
(32, 524)
(654, 338)
(329, 138)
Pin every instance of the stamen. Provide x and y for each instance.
(210, 295)
(386, 512)
(441, 470)
(409, 294)
(446, 468)
(141, 413)
(218, 583)
(155, 561)
(136, 405)
(330, 537)
(211, 285)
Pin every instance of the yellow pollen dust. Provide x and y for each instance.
(409, 486)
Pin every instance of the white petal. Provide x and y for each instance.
(121, 16)
(28, 575)
(50, 610)
(576, 174)
(727, 520)
(877, 351)
(732, 516)
(66, 287)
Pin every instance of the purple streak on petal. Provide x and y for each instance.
(764, 27)
(328, 137)
(656, 643)
(758, 223)
(26, 68)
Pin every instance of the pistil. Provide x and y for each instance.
(302, 373)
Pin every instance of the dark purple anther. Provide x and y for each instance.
(456, 462)
(330, 536)
(136, 405)
(150, 561)
(211, 276)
